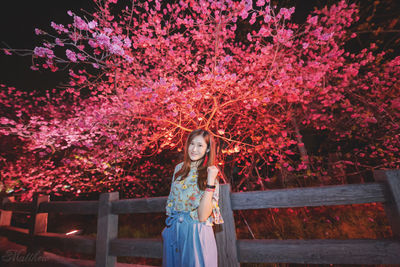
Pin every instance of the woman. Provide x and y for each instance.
(192, 206)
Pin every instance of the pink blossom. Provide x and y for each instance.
(253, 18)
(92, 43)
(71, 55)
(326, 36)
(80, 56)
(313, 20)
(59, 42)
(126, 105)
(158, 6)
(75, 36)
(244, 14)
(7, 52)
(58, 27)
(277, 83)
(267, 18)
(116, 40)
(260, 2)
(108, 31)
(43, 52)
(146, 90)
(49, 45)
(127, 42)
(80, 23)
(128, 58)
(287, 13)
(38, 31)
(266, 99)
(264, 31)
(69, 12)
(103, 39)
(92, 24)
(283, 36)
(249, 37)
(116, 50)
(396, 103)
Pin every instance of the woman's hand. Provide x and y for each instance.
(212, 172)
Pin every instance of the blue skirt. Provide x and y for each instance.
(188, 243)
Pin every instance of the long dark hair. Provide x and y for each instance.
(207, 160)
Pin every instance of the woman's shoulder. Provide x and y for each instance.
(178, 167)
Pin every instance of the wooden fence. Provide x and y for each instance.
(107, 246)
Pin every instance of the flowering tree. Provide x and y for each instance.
(144, 76)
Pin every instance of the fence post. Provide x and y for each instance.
(5, 215)
(392, 206)
(107, 229)
(38, 221)
(226, 236)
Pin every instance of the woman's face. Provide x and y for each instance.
(197, 148)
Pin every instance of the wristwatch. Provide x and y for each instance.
(210, 186)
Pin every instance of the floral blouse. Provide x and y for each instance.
(185, 195)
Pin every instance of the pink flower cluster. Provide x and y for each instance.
(74, 56)
(58, 27)
(286, 13)
(114, 44)
(103, 40)
(43, 52)
(80, 23)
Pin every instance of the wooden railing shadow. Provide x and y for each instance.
(107, 246)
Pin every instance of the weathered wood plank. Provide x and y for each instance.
(107, 230)
(391, 178)
(313, 196)
(70, 207)
(5, 215)
(38, 221)
(15, 234)
(141, 205)
(80, 244)
(225, 233)
(327, 251)
(51, 259)
(132, 247)
(23, 207)
(72, 243)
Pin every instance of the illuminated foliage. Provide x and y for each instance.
(144, 75)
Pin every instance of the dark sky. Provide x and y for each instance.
(18, 19)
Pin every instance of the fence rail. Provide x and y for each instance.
(107, 246)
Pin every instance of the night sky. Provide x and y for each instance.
(18, 20)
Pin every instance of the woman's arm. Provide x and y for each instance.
(205, 207)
